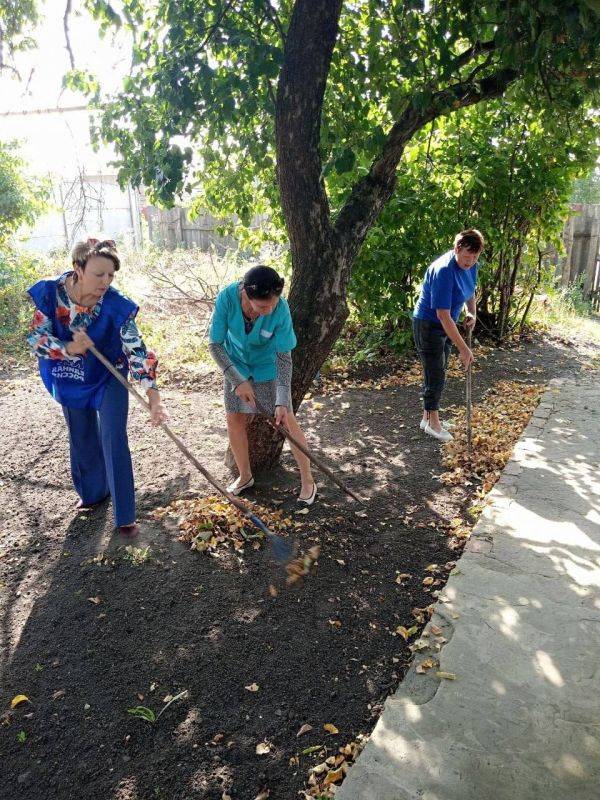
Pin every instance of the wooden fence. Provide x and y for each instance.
(582, 243)
(173, 228)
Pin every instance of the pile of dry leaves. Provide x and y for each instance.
(497, 423)
(325, 776)
(210, 523)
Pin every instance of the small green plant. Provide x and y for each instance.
(21, 737)
(137, 555)
(142, 712)
(39, 667)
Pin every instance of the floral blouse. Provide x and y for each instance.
(142, 363)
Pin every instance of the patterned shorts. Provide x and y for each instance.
(265, 392)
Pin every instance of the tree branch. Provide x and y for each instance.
(370, 194)
(67, 34)
(273, 16)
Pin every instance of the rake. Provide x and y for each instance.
(312, 458)
(282, 549)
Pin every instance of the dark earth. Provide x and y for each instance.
(321, 652)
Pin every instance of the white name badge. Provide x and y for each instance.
(266, 334)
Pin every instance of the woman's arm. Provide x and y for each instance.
(283, 384)
(471, 313)
(42, 341)
(142, 365)
(225, 364)
(449, 326)
(283, 381)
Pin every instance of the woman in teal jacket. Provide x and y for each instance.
(251, 338)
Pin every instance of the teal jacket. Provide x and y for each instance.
(253, 354)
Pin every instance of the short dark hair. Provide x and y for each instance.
(471, 239)
(262, 282)
(106, 248)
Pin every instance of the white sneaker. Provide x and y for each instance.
(443, 435)
(446, 425)
(308, 501)
(236, 487)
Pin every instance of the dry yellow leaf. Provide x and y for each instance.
(449, 676)
(330, 728)
(427, 581)
(262, 748)
(333, 777)
(18, 699)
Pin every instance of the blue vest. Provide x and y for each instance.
(81, 382)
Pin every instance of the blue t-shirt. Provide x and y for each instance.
(253, 354)
(446, 286)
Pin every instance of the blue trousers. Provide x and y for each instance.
(100, 457)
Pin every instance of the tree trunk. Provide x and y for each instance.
(323, 253)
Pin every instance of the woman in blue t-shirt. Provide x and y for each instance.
(251, 336)
(449, 283)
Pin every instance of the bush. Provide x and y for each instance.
(18, 271)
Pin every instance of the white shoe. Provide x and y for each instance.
(236, 487)
(308, 501)
(446, 425)
(443, 435)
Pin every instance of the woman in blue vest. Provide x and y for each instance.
(448, 285)
(251, 336)
(74, 311)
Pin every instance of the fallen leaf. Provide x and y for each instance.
(252, 688)
(302, 511)
(425, 665)
(406, 633)
(449, 676)
(272, 590)
(95, 600)
(308, 750)
(17, 699)
(263, 795)
(427, 581)
(58, 694)
(263, 748)
(330, 728)
(304, 729)
(333, 777)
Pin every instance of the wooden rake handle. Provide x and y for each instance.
(174, 438)
(312, 458)
(468, 387)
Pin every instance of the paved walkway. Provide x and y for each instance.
(522, 619)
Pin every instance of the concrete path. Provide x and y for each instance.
(522, 622)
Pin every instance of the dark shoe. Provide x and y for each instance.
(129, 530)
